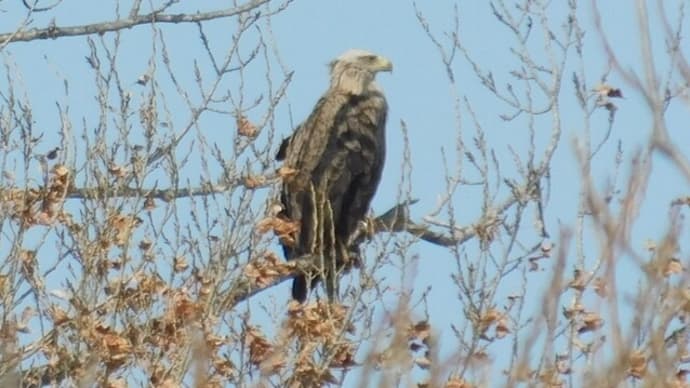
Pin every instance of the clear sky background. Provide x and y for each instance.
(312, 32)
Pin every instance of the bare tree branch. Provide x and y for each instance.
(53, 32)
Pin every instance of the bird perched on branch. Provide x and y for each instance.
(337, 157)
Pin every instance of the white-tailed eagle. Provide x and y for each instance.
(337, 155)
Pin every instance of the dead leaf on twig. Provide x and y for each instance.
(245, 127)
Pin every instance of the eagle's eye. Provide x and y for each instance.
(370, 58)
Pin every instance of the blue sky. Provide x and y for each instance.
(312, 32)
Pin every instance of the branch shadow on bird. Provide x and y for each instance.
(331, 255)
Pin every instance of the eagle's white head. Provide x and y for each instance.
(353, 71)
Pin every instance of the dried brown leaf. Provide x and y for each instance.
(284, 229)
(60, 171)
(168, 383)
(254, 181)
(423, 362)
(180, 264)
(579, 280)
(117, 383)
(287, 172)
(550, 378)
(488, 318)
(184, 308)
(58, 315)
(273, 364)
(502, 328)
(149, 203)
(224, 367)
(457, 382)
(245, 127)
(343, 356)
(604, 90)
(259, 347)
(673, 266)
(573, 311)
(117, 170)
(118, 347)
(420, 331)
(546, 247)
(638, 364)
(122, 225)
(591, 321)
(563, 364)
(266, 271)
(600, 287)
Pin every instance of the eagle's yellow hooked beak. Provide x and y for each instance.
(383, 64)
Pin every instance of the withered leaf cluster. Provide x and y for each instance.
(245, 127)
(283, 228)
(491, 318)
(267, 270)
(43, 205)
(319, 331)
(604, 94)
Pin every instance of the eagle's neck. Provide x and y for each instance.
(353, 81)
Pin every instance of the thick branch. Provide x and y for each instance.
(118, 190)
(397, 219)
(168, 194)
(53, 32)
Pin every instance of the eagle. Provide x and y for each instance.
(336, 157)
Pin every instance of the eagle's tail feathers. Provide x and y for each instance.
(299, 288)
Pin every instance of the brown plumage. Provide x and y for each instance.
(338, 155)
